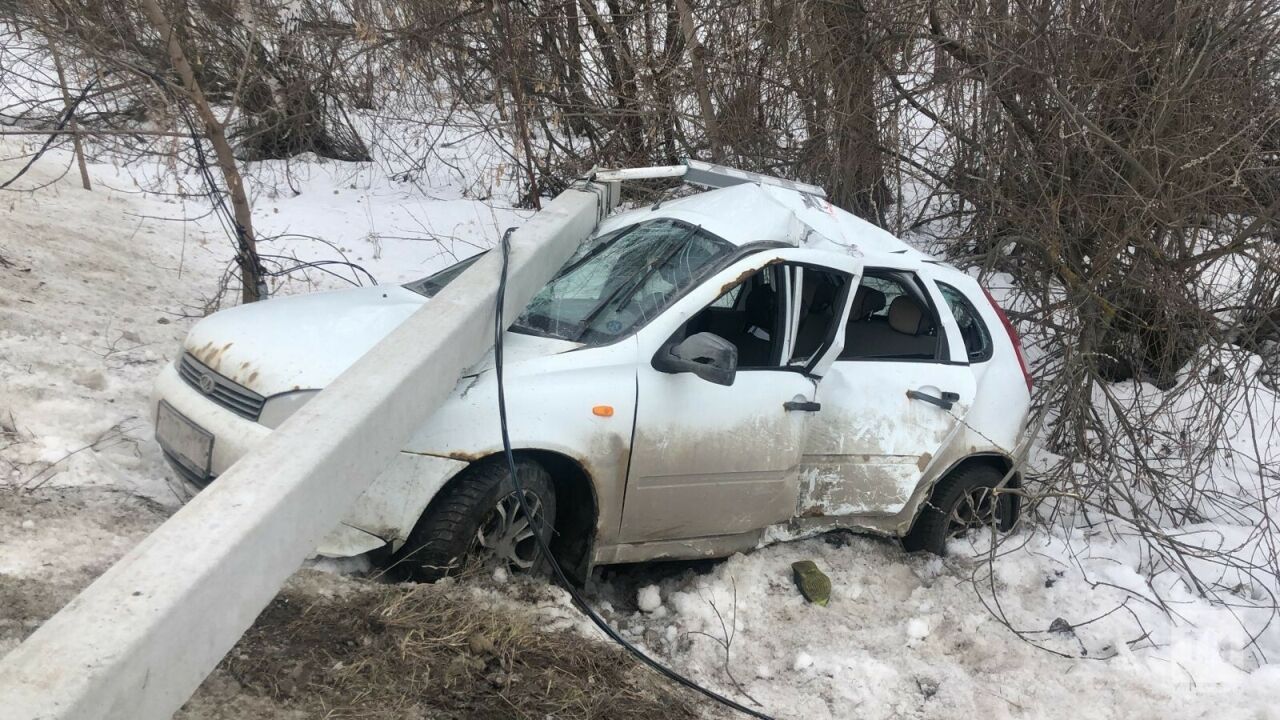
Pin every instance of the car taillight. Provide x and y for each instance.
(1013, 337)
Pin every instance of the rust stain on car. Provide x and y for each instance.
(203, 351)
(210, 356)
(737, 281)
(742, 277)
(923, 462)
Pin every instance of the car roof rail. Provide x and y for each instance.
(704, 174)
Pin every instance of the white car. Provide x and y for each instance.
(704, 376)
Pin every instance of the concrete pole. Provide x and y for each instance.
(138, 641)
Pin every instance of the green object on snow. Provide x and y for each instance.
(813, 583)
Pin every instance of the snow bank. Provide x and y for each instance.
(916, 637)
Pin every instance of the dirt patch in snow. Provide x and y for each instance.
(25, 603)
(55, 541)
(342, 648)
(337, 646)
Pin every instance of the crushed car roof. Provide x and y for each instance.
(750, 212)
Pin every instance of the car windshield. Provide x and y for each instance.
(613, 283)
(621, 280)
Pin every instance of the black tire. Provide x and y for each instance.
(960, 501)
(449, 533)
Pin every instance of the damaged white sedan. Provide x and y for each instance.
(703, 376)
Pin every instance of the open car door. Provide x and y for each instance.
(716, 460)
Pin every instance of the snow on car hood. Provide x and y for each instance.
(302, 342)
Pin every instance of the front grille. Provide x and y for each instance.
(230, 395)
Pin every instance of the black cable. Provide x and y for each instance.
(581, 602)
(318, 265)
(57, 132)
(235, 231)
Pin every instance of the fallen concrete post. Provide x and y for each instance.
(138, 641)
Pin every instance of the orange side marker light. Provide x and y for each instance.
(602, 411)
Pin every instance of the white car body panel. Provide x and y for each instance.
(550, 402)
(309, 339)
(700, 446)
(870, 444)
(713, 460)
(389, 509)
(385, 511)
(866, 460)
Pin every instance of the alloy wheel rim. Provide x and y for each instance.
(975, 509)
(506, 534)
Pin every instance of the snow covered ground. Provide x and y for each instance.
(908, 637)
(97, 288)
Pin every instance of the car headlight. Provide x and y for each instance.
(278, 408)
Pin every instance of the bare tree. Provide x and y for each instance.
(252, 284)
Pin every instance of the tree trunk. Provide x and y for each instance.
(67, 105)
(513, 58)
(252, 280)
(697, 59)
(581, 107)
(857, 168)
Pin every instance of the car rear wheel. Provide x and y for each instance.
(478, 519)
(963, 501)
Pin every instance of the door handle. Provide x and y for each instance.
(801, 406)
(946, 402)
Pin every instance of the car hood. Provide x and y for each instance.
(303, 342)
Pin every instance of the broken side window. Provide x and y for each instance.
(729, 300)
(977, 339)
(750, 315)
(819, 310)
(758, 317)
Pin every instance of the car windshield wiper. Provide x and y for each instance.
(529, 319)
(624, 291)
(541, 325)
(593, 252)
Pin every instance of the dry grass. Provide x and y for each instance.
(431, 652)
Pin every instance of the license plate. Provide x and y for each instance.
(186, 442)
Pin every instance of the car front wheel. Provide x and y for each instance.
(478, 518)
(963, 501)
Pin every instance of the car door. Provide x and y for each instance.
(710, 459)
(896, 395)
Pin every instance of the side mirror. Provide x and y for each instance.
(704, 354)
